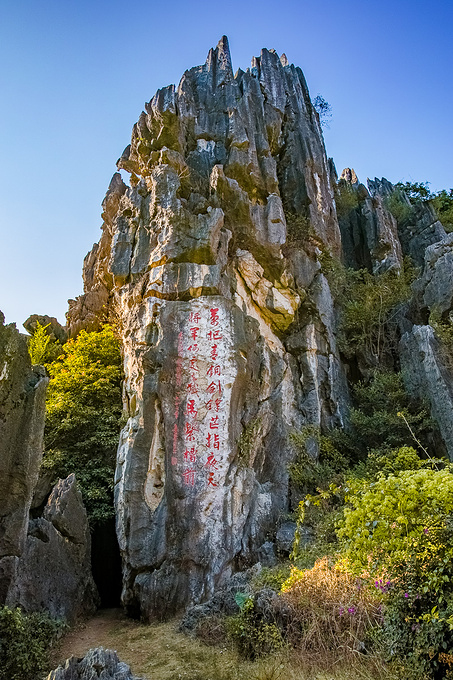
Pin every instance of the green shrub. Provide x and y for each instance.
(387, 522)
(308, 471)
(346, 198)
(25, 641)
(374, 424)
(443, 328)
(401, 210)
(299, 229)
(272, 577)
(41, 348)
(84, 409)
(369, 303)
(443, 205)
(252, 633)
(398, 530)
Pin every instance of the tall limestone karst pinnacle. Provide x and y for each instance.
(226, 318)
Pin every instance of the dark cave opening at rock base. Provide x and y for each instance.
(106, 564)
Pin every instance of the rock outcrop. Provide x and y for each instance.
(44, 562)
(426, 363)
(418, 225)
(427, 377)
(211, 261)
(97, 664)
(22, 408)
(369, 231)
(53, 573)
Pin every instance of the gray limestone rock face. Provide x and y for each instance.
(53, 573)
(434, 289)
(22, 409)
(369, 231)
(427, 377)
(418, 226)
(228, 330)
(97, 664)
(45, 562)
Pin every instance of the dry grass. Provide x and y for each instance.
(330, 615)
(159, 652)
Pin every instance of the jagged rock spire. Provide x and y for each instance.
(219, 61)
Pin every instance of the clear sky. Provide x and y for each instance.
(74, 77)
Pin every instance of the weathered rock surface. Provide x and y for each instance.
(228, 328)
(434, 289)
(418, 226)
(223, 602)
(54, 329)
(97, 664)
(44, 562)
(22, 408)
(53, 573)
(427, 377)
(369, 231)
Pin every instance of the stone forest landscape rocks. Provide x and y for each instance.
(238, 272)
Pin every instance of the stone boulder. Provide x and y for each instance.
(54, 329)
(97, 664)
(53, 572)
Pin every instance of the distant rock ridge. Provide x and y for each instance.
(211, 264)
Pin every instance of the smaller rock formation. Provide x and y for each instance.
(426, 366)
(369, 231)
(97, 664)
(418, 225)
(55, 330)
(426, 377)
(22, 409)
(54, 571)
(44, 562)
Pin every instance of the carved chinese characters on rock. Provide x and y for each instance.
(199, 419)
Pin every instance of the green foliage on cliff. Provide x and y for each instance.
(443, 328)
(83, 417)
(346, 198)
(442, 201)
(369, 308)
(41, 348)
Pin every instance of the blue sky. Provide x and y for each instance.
(74, 77)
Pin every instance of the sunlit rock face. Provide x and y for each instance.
(227, 320)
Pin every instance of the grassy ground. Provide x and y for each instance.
(159, 652)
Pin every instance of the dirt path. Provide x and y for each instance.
(159, 652)
(154, 652)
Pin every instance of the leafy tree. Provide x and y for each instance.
(83, 417)
(415, 191)
(323, 109)
(375, 423)
(41, 347)
(442, 201)
(368, 312)
(443, 205)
